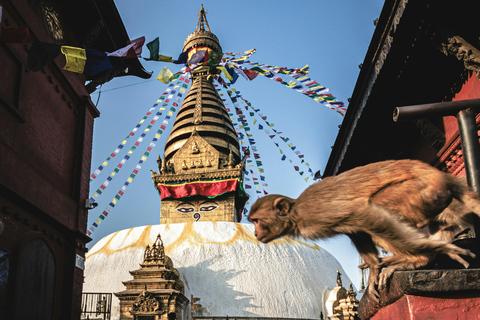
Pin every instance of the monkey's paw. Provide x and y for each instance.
(456, 251)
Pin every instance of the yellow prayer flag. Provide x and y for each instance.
(124, 141)
(291, 84)
(170, 113)
(162, 108)
(271, 124)
(114, 201)
(254, 121)
(76, 58)
(165, 75)
(143, 158)
(163, 58)
(98, 221)
(95, 195)
(129, 179)
(182, 90)
(104, 163)
(225, 73)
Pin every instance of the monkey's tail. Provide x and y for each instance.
(462, 192)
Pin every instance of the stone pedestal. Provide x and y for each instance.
(426, 294)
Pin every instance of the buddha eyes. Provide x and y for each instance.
(185, 210)
(208, 208)
(190, 209)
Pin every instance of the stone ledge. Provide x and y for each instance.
(443, 283)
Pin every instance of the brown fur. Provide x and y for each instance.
(381, 203)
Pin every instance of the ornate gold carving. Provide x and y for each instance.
(154, 254)
(146, 303)
(197, 116)
(52, 22)
(451, 44)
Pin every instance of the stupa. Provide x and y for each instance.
(218, 259)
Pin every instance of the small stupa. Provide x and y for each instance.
(156, 289)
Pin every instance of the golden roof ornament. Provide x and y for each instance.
(202, 37)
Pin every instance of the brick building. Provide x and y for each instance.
(46, 127)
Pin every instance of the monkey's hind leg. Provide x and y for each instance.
(407, 241)
(368, 251)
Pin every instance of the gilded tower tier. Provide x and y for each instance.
(201, 174)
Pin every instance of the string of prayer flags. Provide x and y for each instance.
(248, 106)
(108, 209)
(166, 97)
(250, 140)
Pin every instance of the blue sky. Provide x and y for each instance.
(330, 36)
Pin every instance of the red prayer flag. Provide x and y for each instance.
(136, 50)
(15, 34)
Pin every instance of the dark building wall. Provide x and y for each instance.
(46, 127)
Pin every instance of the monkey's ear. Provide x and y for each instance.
(282, 205)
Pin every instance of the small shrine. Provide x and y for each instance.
(342, 303)
(156, 291)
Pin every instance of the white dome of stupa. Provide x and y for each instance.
(223, 264)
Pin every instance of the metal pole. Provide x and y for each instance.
(470, 146)
(450, 108)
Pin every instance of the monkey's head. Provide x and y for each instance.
(272, 217)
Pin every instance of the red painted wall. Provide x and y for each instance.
(422, 308)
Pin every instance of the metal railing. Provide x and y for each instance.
(96, 306)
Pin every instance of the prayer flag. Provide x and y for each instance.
(182, 58)
(197, 57)
(96, 62)
(41, 54)
(165, 75)
(154, 48)
(214, 58)
(136, 50)
(163, 58)
(76, 58)
(122, 52)
(14, 34)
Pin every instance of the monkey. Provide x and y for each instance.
(384, 202)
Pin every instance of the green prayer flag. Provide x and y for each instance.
(154, 48)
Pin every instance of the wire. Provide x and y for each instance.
(133, 84)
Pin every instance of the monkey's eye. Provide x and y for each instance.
(253, 220)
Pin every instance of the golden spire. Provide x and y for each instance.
(202, 19)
